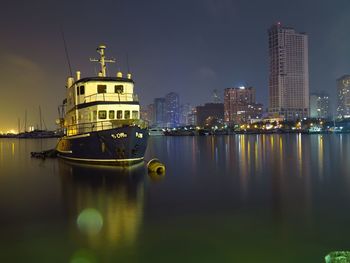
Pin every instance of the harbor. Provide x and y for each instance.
(175, 131)
(234, 193)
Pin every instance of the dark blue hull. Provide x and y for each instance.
(119, 146)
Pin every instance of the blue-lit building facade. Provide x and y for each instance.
(343, 90)
(172, 109)
(166, 111)
(159, 112)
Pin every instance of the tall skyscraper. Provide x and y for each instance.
(240, 106)
(343, 92)
(319, 106)
(185, 111)
(289, 73)
(159, 112)
(147, 114)
(172, 108)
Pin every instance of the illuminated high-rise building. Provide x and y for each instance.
(343, 92)
(147, 114)
(289, 73)
(185, 112)
(209, 111)
(240, 106)
(319, 106)
(159, 112)
(172, 109)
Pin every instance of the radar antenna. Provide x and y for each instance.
(102, 60)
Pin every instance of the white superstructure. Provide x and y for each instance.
(97, 103)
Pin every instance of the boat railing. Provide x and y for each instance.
(83, 128)
(110, 97)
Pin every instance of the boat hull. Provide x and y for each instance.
(117, 146)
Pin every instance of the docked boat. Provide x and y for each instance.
(156, 131)
(101, 119)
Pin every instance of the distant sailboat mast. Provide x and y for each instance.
(19, 126)
(40, 117)
(25, 121)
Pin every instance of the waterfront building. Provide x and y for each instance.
(143, 113)
(185, 112)
(319, 106)
(192, 117)
(150, 114)
(159, 112)
(147, 114)
(240, 105)
(172, 109)
(209, 110)
(288, 73)
(343, 92)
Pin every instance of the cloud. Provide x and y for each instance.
(206, 73)
(17, 62)
(219, 8)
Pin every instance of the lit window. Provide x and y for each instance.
(127, 114)
(118, 89)
(101, 88)
(111, 114)
(82, 90)
(135, 114)
(119, 114)
(102, 114)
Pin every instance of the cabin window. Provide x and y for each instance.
(127, 114)
(135, 114)
(102, 114)
(101, 88)
(78, 91)
(82, 90)
(118, 89)
(111, 114)
(119, 114)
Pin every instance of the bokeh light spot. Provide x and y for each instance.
(83, 256)
(90, 221)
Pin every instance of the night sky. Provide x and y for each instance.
(188, 46)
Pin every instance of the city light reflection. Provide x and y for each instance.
(13, 149)
(320, 156)
(243, 166)
(299, 155)
(281, 157)
(1, 152)
(107, 204)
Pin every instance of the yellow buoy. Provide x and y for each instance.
(156, 167)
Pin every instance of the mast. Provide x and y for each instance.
(41, 122)
(19, 126)
(102, 60)
(25, 121)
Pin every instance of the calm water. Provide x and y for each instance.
(242, 198)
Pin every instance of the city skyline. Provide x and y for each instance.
(214, 45)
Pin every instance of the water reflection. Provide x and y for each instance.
(320, 156)
(251, 196)
(104, 204)
(1, 152)
(299, 154)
